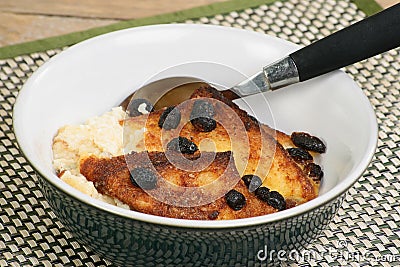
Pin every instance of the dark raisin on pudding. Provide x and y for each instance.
(308, 142)
(262, 193)
(299, 154)
(183, 145)
(202, 108)
(213, 215)
(143, 178)
(202, 124)
(139, 107)
(235, 200)
(202, 116)
(276, 200)
(314, 171)
(170, 118)
(273, 198)
(252, 182)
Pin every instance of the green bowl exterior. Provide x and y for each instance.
(129, 242)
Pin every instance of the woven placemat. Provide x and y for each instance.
(366, 230)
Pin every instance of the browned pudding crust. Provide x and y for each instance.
(283, 167)
(241, 146)
(112, 177)
(255, 148)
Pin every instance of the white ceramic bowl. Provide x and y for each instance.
(90, 78)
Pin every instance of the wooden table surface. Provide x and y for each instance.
(27, 20)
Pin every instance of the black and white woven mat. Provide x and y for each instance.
(366, 231)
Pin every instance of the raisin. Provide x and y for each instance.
(299, 154)
(252, 182)
(203, 124)
(139, 107)
(262, 193)
(235, 200)
(202, 116)
(247, 179)
(202, 108)
(213, 215)
(170, 118)
(314, 171)
(183, 145)
(308, 142)
(143, 178)
(276, 200)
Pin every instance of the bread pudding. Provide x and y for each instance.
(203, 159)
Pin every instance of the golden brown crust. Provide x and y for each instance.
(255, 151)
(285, 175)
(111, 177)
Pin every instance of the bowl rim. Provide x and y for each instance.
(316, 203)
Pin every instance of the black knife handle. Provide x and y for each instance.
(364, 39)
